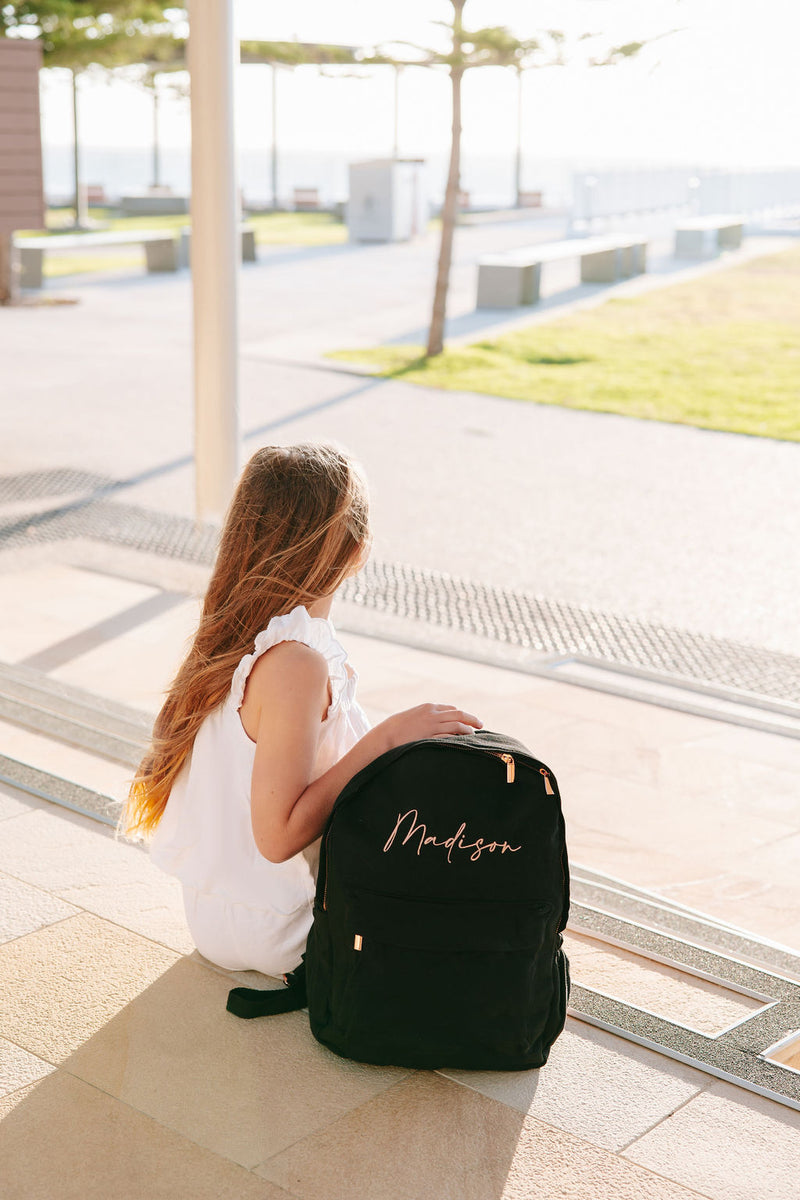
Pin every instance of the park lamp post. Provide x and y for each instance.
(589, 183)
(215, 256)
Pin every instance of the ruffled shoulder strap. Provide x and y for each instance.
(296, 626)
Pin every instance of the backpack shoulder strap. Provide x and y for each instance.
(264, 1002)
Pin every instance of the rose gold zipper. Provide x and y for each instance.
(510, 765)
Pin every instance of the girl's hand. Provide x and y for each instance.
(427, 720)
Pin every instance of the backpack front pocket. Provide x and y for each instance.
(451, 982)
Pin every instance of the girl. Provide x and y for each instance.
(261, 730)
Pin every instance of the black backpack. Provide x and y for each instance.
(442, 893)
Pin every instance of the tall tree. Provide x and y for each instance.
(493, 46)
(78, 34)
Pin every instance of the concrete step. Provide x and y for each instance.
(71, 715)
(60, 791)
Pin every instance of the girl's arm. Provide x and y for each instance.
(289, 686)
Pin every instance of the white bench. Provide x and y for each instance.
(165, 250)
(159, 249)
(704, 237)
(514, 277)
(248, 236)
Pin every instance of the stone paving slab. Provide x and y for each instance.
(63, 1138)
(67, 856)
(24, 909)
(39, 606)
(18, 1068)
(726, 1146)
(426, 1137)
(639, 1087)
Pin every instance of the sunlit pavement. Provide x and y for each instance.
(113, 1033)
(587, 508)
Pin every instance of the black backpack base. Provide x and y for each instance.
(428, 1006)
(248, 1003)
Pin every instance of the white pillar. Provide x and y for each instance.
(215, 255)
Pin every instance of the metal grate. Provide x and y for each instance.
(534, 622)
(119, 524)
(435, 598)
(60, 481)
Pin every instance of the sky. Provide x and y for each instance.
(719, 88)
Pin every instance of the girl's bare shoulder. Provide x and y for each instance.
(286, 664)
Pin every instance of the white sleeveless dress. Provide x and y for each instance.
(243, 911)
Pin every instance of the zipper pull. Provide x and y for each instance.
(509, 761)
(548, 787)
(358, 942)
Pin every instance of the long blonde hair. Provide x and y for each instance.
(296, 527)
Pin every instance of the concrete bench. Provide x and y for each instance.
(305, 199)
(248, 235)
(513, 278)
(159, 249)
(704, 237)
(165, 250)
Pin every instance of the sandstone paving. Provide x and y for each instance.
(429, 1137)
(18, 1067)
(39, 606)
(83, 864)
(654, 816)
(243, 1089)
(594, 1085)
(753, 745)
(24, 908)
(61, 1139)
(759, 892)
(666, 726)
(728, 1145)
(137, 667)
(12, 802)
(64, 982)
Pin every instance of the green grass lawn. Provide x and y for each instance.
(272, 229)
(719, 352)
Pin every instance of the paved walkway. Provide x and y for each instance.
(583, 507)
(122, 1075)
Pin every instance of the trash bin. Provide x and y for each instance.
(388, 200)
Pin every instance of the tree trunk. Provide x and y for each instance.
(396, 127)
(518, 156)
(156, 174)
(449, 210)
(79, 201)
(274, 149)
